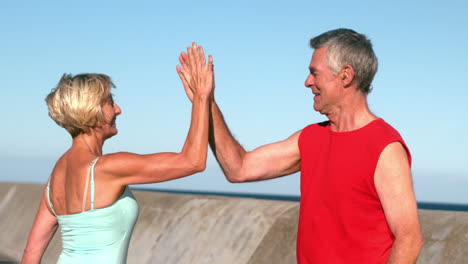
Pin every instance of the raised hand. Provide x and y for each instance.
(196, 75)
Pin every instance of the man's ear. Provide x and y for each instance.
(347, 75)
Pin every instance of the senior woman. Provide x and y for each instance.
(87, 193)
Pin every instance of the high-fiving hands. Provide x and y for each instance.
(196, 75)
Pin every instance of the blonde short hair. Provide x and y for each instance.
(76, 103)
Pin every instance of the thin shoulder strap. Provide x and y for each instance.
(48, 198)
(92, 182)
(85, 195)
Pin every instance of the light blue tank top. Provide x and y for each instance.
(99, 235)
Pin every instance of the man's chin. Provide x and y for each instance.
(316, 108)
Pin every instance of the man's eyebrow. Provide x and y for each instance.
(312, 69)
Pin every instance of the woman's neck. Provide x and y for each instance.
(89, 143)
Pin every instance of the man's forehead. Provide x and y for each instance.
(318, 57)
(320, 52)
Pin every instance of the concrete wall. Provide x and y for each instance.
(178, 228)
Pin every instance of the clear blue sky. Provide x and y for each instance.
(261, 54)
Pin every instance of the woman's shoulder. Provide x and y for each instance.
(109, 165)
(117, 159)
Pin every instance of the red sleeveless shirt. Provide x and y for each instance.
(341, 217)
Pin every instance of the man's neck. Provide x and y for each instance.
(352, 114)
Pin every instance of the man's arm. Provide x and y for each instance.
(266, 162)
(395, 189)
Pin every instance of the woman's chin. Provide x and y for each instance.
(112, 133)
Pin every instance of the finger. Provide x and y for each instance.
(196, 57)
(185, 74)
(183, 77)
(178, 69)
(202, 55)
(179, 72)
(183, 59)
(193, 57)
(211, 66)
(188, 53)
(187, 88)
(191, 60)
(210, 62)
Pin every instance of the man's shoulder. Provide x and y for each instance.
(385, 128)
(388, 134)
(318, 126)
(314, 131)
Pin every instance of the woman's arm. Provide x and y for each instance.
(266, 162)
(43, 229)
(128, 168)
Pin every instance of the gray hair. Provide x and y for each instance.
(347, 47)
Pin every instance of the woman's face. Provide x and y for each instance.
(110, 111)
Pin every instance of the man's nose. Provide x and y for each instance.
(309, 82)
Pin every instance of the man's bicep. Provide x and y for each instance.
(272, 160)
(395, 189)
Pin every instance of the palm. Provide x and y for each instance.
(196, 75)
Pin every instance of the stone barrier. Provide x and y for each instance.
(183, 228)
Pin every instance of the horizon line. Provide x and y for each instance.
(296, 198)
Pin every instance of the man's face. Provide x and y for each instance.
(324, 84)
